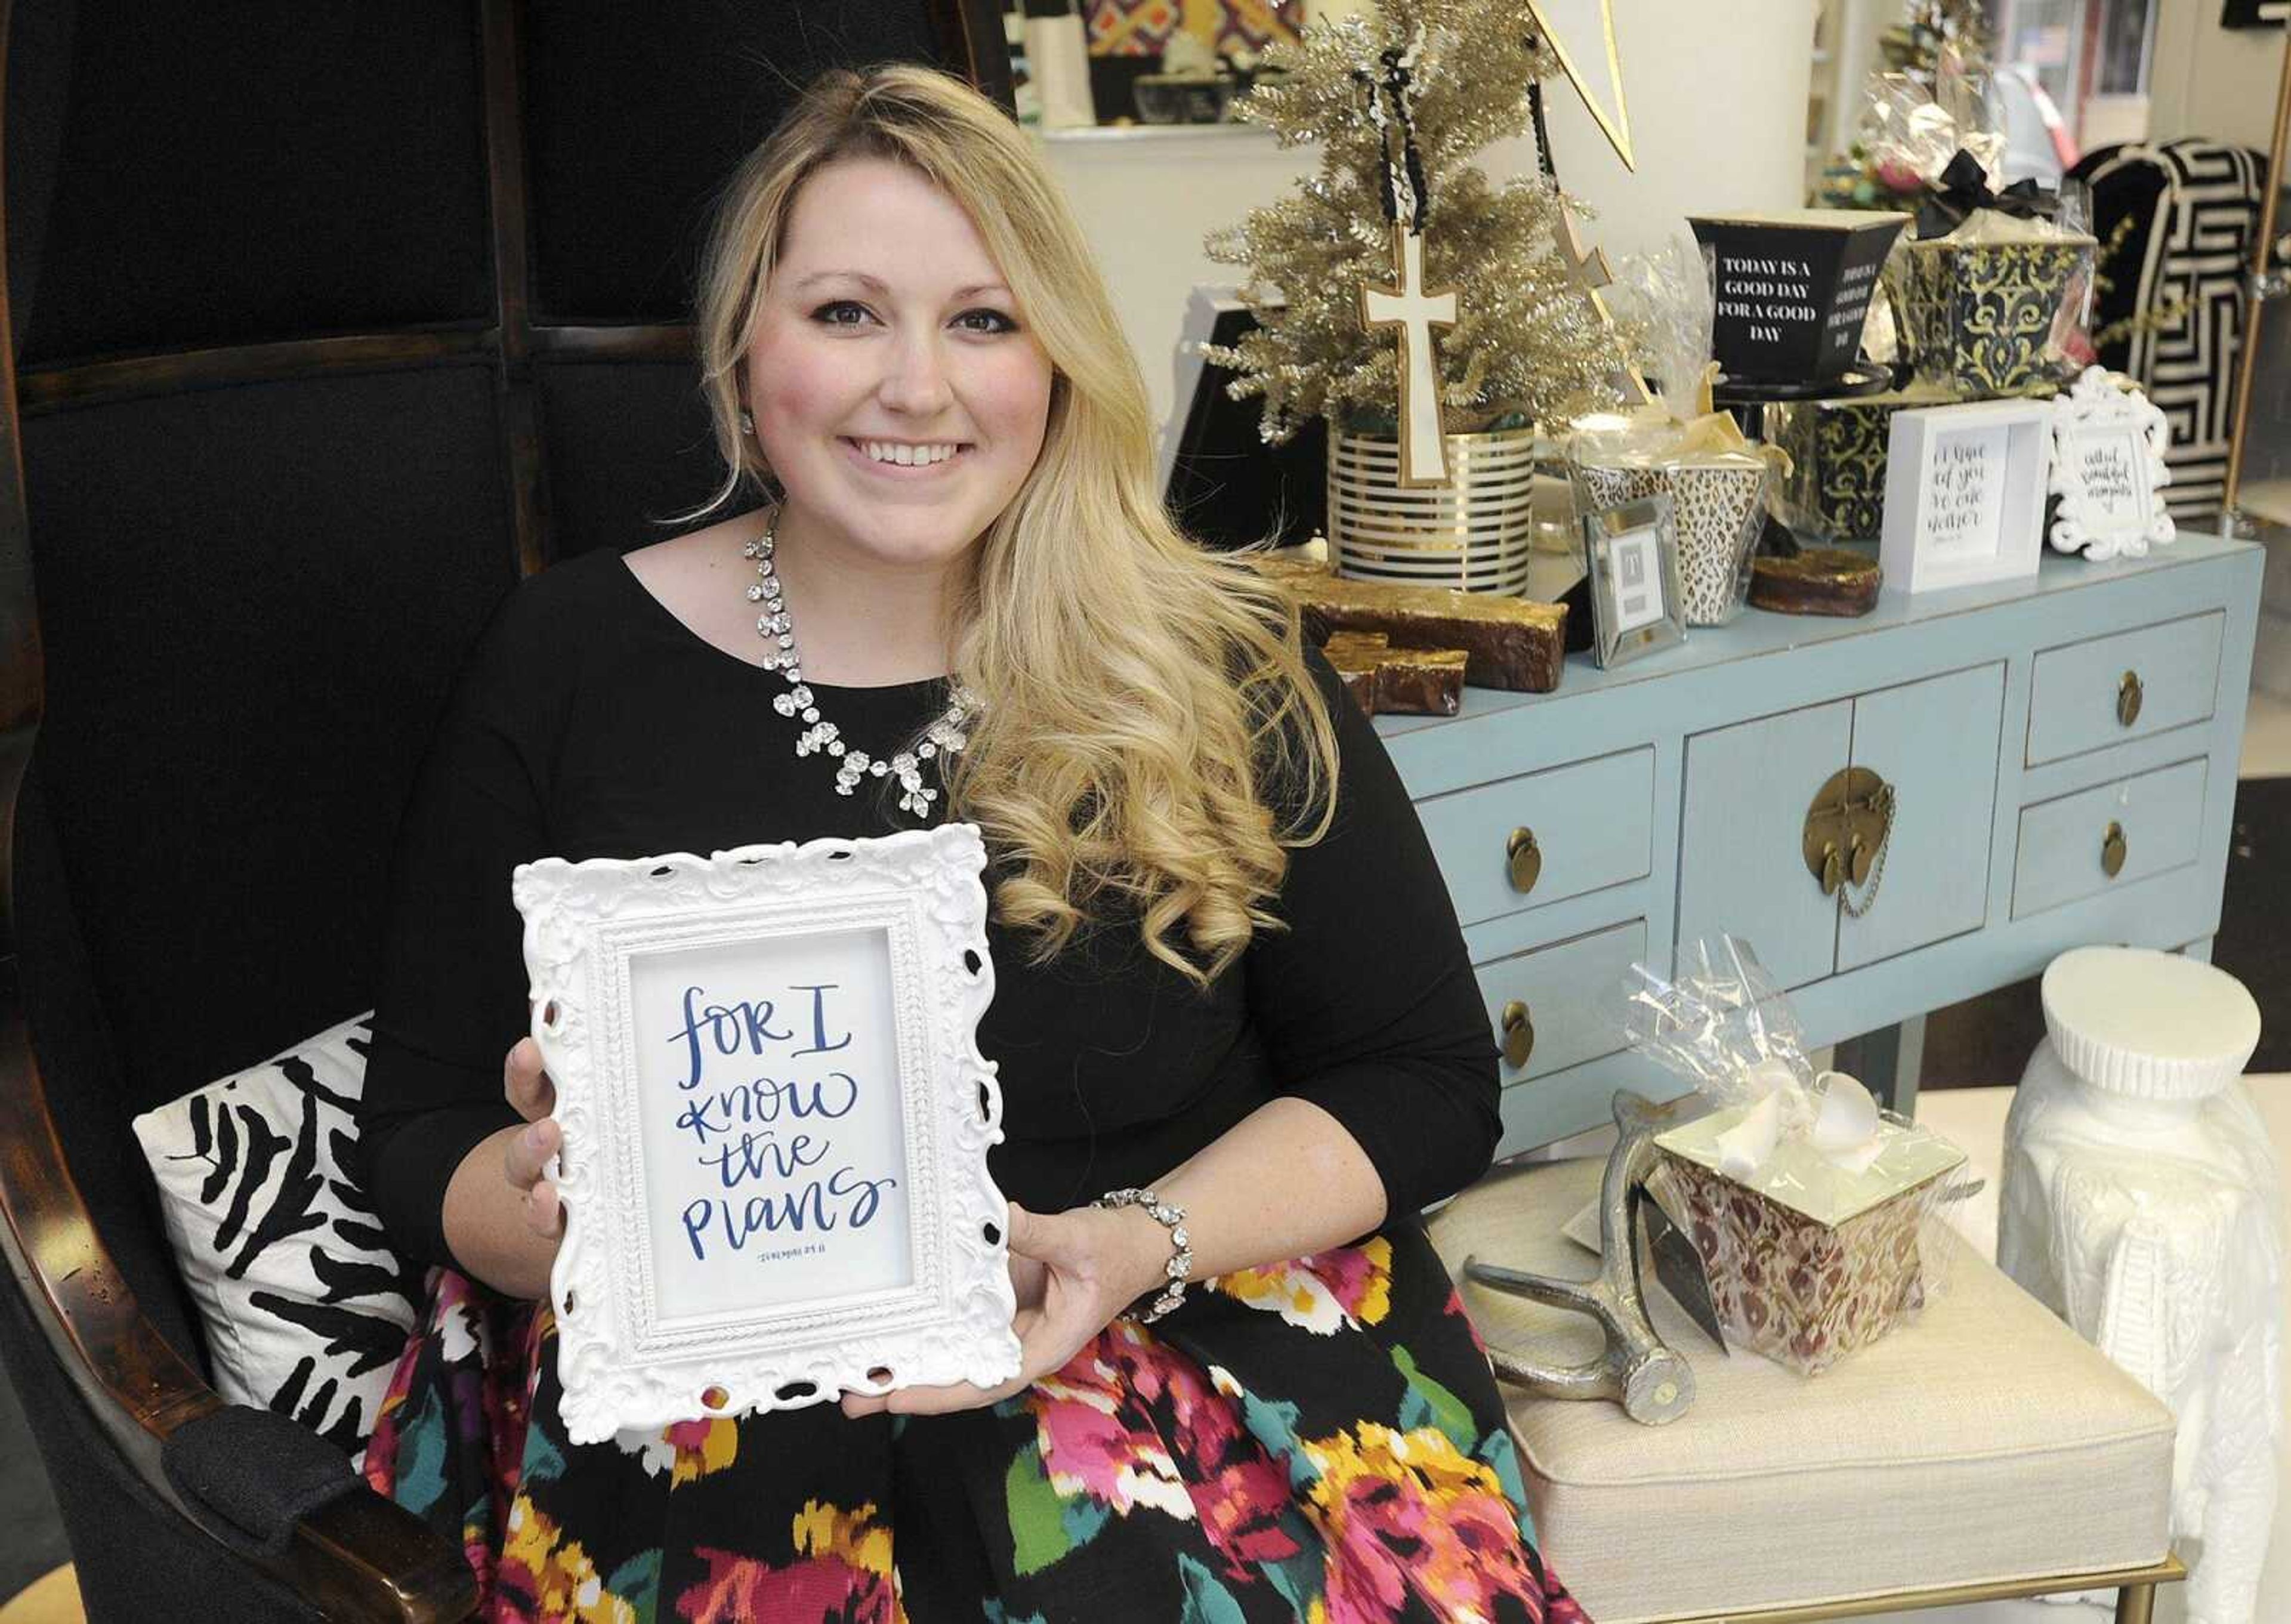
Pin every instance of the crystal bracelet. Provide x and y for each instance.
(1181, 1248)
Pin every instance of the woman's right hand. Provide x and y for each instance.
(503, 1219)
(526, 1152)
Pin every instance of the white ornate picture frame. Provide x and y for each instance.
(1964, 494)
(776, 1120)
(2109, 442)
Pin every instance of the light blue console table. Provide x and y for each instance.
(2062, 753)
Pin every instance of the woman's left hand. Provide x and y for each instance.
(1092, 1263)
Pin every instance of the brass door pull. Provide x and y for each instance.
(1519, 1034)
(1522, 860)
(1847, 827)
(2113, 849)
(2128, 696)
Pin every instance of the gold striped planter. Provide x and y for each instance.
(1474, 533)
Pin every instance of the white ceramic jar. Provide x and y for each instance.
(2139, 1202)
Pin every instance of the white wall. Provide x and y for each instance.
(1859, 23)
(1146, 199)
(1718, 96)
(2207, 80)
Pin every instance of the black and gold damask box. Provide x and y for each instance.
(1838, 456)
(1977, 316)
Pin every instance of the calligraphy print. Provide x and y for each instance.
(774, 1154)
(1962, 511)
(2109, 467)
(1638, 580)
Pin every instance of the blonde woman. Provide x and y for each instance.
(1226, 970)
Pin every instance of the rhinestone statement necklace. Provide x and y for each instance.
(945, 735)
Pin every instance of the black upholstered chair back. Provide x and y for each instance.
(328, 320)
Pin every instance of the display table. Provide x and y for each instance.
(2062, 753)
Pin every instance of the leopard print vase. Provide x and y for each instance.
(1614, 485)
(1718, 509)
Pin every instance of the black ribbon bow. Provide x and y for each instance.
(1963, 187)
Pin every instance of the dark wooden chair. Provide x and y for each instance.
(326, 322)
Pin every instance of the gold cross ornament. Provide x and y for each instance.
(1415, 309)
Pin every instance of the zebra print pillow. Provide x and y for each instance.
(306, 1308)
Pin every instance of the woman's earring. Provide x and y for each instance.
(747, 421)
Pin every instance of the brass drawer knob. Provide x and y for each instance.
(1519, 1034)
(2113, 850)
(2128, 696)
(1522, 860)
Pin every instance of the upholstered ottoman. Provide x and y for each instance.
(1981, 1448)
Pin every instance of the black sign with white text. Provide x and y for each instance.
(1790, 293)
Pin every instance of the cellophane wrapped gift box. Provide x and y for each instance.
(1813, 1211)
(1991, 277)
(1807, 1261)
(1678, 446)
(1718, 489)
(1978, 308)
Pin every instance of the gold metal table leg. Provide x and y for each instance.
(2135, 1605)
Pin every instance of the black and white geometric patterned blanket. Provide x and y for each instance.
(2194, 208)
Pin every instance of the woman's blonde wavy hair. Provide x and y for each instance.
(1151, 737)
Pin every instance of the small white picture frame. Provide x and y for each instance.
(775, 1120)
(1964, 494)
(2108, 470)
(1631, 556)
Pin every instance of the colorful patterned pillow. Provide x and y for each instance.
(305, 1307)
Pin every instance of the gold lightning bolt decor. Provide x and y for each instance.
(1582, 33)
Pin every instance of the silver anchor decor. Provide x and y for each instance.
(1653, 1383)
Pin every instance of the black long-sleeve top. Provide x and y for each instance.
(591, 722)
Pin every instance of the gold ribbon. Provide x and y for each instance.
(1704, 430)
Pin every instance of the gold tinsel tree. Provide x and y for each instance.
(1527, 343)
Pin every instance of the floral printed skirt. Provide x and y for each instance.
(1320, 1440)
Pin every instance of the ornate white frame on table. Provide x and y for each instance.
(646, 1339)
(2101, 401)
